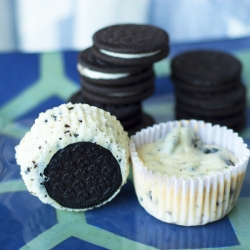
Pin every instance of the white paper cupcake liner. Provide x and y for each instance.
(189, 202)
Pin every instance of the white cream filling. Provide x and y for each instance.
(99, 75)
(128, 56)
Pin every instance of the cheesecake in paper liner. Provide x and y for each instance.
(189, 202)
(60, 127)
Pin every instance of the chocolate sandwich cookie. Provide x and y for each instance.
(130, 44)
(129, 115)
(78, 98)
(128, 89)
(122, 112)
(202, 89)
(131, 121)
(235, 121)
(75, 157)
(210, 113)
(97, 71)
(206, 68)
(215, 101)
(145, 121)
(121, 98)
(209, 94)
(82, 175)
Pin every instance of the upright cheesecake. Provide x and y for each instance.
(188, 172)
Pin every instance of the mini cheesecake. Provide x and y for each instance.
(74, 157)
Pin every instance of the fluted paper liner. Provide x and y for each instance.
(189, 202)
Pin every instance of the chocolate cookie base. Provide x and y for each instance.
(82, 175)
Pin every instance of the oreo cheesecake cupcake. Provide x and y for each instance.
(188, 172)
(74, 157)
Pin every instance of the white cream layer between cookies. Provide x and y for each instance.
(189, 201)
(58, 127)
(129, 56)
(99, 75)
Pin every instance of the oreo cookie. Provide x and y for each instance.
(82, 175)
(215, 112)
(96, 71)
(130, 44)
(206, 68)
(204, 89)
(214, 101)
(114, 90)
(122, 112)
(121, 98)
(129, 115)
(145, 121)
(131, 121)
(234, 121)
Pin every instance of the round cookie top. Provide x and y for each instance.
(82, 175)
(131, 38)
(204, 67)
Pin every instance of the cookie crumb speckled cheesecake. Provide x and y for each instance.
(74, 157)
(188, 172)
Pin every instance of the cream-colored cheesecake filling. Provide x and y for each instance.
(128, 56)
(181, 153)
(99, 75)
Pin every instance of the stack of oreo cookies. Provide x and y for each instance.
(208, 87)
(117, 71)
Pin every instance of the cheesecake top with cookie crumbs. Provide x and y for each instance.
(181, 153)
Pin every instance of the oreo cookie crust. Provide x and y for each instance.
(49, 157)
(82, 175)
(206, 68)
(130, 44)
